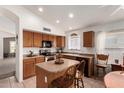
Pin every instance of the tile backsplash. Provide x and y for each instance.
(36, 50)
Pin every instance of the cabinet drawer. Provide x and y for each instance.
(39, 60)
(28, 60)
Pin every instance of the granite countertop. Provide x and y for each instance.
(64, 53)
(55, 68)
(25, 57)
(77, 55)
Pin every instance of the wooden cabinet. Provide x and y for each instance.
(34, 39)
(63, 41)
(27, 39)
(45, 37)
(69, 57)
(89, 63)
(88, 39)
(28, 68)
(60, 41)
(116, 67)
(53, 39)
(37, 39)
(39, 60)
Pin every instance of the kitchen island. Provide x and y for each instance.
(46, 72)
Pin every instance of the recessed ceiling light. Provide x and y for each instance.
(40, 9)
(71, 15)
(57, 21)
(70, 28)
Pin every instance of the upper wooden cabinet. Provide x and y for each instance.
(34, 39)
(37, 39)
(60, 41)
(27, 39)
(88, 39)
(53, 39)
(45, 37)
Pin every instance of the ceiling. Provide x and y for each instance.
(84, 15)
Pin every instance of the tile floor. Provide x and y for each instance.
(31, 83)
(7, 67)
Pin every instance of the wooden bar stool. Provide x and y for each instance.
(65, 81)
(79, 75)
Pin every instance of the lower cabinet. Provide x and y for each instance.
(29, 66)
(89, 65)
(116, 67)
(39, 60)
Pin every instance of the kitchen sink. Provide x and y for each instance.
(31, 55)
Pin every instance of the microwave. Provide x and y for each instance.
(46, 44)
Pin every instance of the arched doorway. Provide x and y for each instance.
(13, 17)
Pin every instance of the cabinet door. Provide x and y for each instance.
(45, 37)
(52, 38)
(63, 41)
(88, 39)
(39, 60)
(60, 41)
(37, 40)
(27, 38)
(116, 67)
(28, 68)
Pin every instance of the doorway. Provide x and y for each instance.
(7, 27)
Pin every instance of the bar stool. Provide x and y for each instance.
(79, 75)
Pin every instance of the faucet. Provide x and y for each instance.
(31, 52)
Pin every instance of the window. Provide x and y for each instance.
(12, 46)
(74, 42)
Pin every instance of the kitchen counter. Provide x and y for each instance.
(46, 72)
(25, 57)
(89, 59)
(29, 65)
(77, 55)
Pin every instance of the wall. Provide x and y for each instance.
(7, 25)
(1, 48)
(100, 31)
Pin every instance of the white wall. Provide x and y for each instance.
(1, 48)
(99, 40)
(7, 25)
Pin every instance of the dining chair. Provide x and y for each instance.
(79, 75)
(66, 80)
(102, 61)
